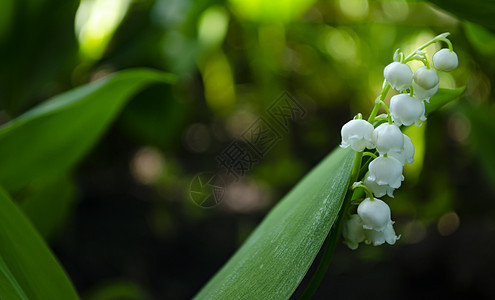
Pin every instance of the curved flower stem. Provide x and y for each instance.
(421, 59)
(389, 116)
(381, 119)
(368, 192)
(335, 232)
(441, 37)
(379, 102)
(370, 154)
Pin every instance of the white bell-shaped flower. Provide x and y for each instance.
(422, 94)
(377, 238)
(445, 60)
(353, 232)
(399, 75)
(376, 189)
(375, 214)
(358, 134)
(426, 78)
(407, 152)
(406, 110)
(386, 170)
(388, 138)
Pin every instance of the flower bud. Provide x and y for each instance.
(407, 152)
(426, 78)
(388, 137)
(445, 60)
(379, 237)
(422, 94)
(406, 110)
(386, 170)
(353, 232)
(376, 189)
(375, 214)
(358, 134)
(399, 75)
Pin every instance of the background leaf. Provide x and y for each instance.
(48, 204)
(277, 255)
(483, 135)
(64, 128)
(442, 97)
(28, 270)
(478, 11)
(38, 52)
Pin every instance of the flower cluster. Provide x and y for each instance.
(372, 223)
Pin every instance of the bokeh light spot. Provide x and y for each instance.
(417, 135)
(197, 138)
(459, 127)
(243, 196)
(218, 83)
(396, 10)
(354, 8)
(95, 23)
(212, 26)
(340, 45)
(147, 165)
(448, 223)
(280, 11)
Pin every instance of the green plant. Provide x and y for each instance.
(277, 255)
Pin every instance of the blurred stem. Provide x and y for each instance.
(335, 232)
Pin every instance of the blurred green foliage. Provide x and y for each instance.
(27, 268)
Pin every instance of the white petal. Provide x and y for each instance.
(426, 78)
(386, 170)
(358, 134)
(353, 232)
(398, 75)
(376, 189)
(375, 214)
(388, 138)
(422, 94)
(406, 110)
(445, 60)
(407, 152)
(380, 237)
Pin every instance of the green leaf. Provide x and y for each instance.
(481, 39)
(277, 255)
(52, 137)
(40, 63)
(442, 97)
(49, 204)
(482, 138)
(28, 270)
(477, 11)
(116, 290)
